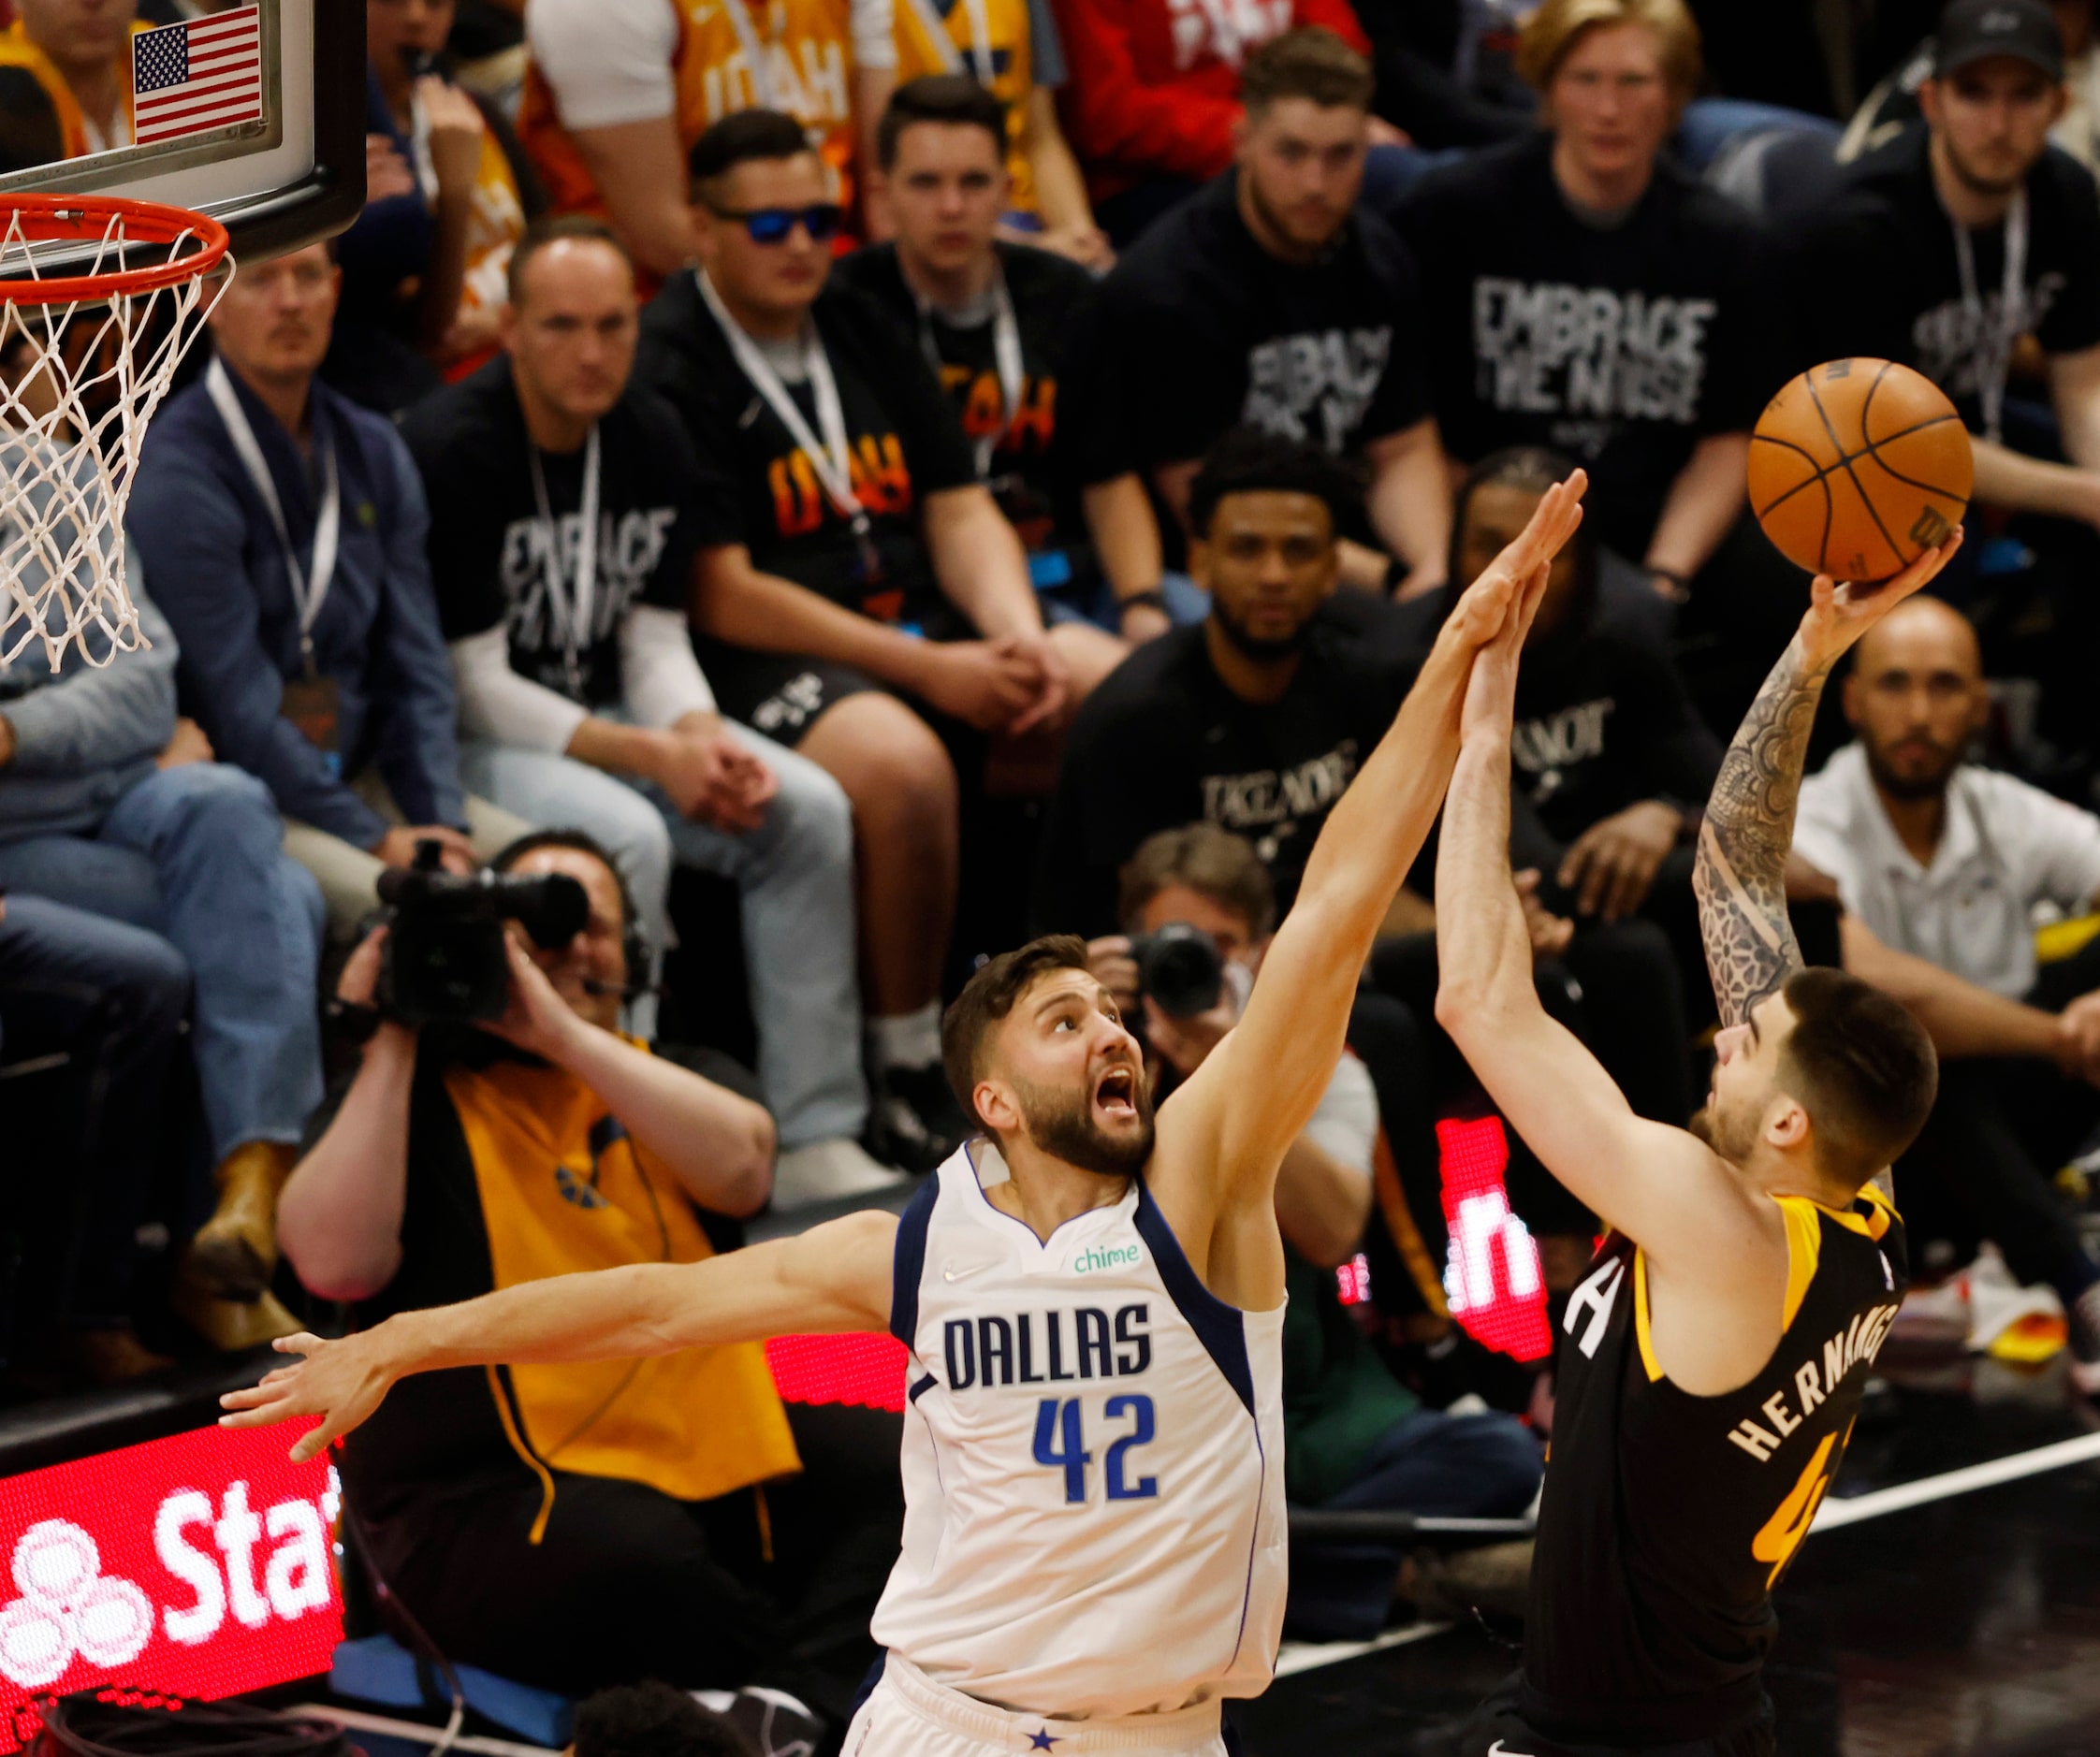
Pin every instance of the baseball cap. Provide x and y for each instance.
(1981, 30)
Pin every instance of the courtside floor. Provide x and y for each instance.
(1966, 1624)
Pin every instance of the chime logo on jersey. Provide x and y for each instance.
(1547, 348)
(1047, 1347)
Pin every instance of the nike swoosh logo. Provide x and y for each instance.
(1500, 1749)
(964, 1275)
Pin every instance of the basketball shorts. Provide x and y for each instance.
(909, 1715)
(1498, 1729)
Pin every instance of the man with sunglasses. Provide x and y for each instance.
(867, 602)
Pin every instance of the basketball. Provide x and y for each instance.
(1858, 467)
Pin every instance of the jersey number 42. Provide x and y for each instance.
(1060, 1444)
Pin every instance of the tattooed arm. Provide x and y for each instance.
(1741, 873)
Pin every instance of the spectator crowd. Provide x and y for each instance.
(842, 486)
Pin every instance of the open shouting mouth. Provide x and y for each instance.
(1115, 1092)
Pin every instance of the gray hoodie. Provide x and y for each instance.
(87, 735)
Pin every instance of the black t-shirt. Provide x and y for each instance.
(439, 1432)
(1622, 345)
(489, 547)
(1200, 329)
(1879, 275)
(1050, 295)
(1602, 723)
(1163, 742)
(905, 442)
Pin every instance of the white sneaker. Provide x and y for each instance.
(827, 1169)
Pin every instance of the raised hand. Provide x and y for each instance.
(1485, 607)
(1739, 875)
(1839, 615)
(342, 1381)
(1491, 695)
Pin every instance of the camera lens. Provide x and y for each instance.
(1180, 969)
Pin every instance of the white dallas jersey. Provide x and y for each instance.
(1093, 1461)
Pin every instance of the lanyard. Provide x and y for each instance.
(936, 29)
(309, 590)
(1994, 359)
(1006, 352)
(833, 460)
(757, 56)
(572, 615)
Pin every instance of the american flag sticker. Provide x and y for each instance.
(204, 73)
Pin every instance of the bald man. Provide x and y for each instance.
(1939, 863)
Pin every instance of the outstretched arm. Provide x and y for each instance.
(834, 1277)
(1223, 1134)
(1657, 1184)
(1740, 876)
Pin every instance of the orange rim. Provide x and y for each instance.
(85, 219)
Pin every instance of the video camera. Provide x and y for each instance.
(445, 957)
(1179, 967)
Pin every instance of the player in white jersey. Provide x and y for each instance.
(1094, 1541)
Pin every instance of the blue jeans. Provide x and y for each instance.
(195, 854)
(1440, 1466)
(794, 881)
(110, 998)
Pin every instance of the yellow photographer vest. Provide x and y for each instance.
(564, 1190)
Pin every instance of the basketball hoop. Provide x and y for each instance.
(100, 296)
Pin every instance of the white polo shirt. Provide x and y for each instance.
(2005, 848)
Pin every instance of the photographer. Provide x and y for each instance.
(1357, 1438)
(718, 1540)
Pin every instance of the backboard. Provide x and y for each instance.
(253, 114)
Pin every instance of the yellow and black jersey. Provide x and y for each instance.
(516, 1172)
(1669, 1517)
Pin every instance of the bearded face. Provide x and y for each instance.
(1109, 1133)
(1730, 1128)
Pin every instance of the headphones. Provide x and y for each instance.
(633, 946)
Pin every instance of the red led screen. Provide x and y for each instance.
(200, 1564)
(1493, 1279)
(204, 1564)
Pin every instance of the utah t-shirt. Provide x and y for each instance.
(1878, 274)
(1620, 339)
(495, 559)
(1200, 329)
(902, 436)
(1049, 294)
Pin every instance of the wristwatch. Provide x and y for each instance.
(352, 1020)
(1152, 599)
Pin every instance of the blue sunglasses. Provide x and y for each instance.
(771, 226)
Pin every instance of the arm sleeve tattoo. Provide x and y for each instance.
(1740, 877)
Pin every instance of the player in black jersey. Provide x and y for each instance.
(1713, 1358)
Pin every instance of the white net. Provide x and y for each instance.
(80, 378)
